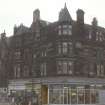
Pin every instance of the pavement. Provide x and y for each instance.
(3, 103)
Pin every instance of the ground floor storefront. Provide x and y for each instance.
(60, 92)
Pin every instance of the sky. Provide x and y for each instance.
(15, 12)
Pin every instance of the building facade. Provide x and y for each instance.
(57, 63)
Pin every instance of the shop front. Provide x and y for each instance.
(73, 94)
(47, 91)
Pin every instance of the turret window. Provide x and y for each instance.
(65, 26)
(65, 30)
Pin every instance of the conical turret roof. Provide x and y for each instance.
(64, 14)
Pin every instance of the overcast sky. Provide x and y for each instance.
(21, 11)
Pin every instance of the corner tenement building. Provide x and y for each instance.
(61, 62)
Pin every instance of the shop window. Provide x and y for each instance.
(81, 95)
(55, 96)
(66, 95)
(87, 96)
(93, 96)
(72, 94)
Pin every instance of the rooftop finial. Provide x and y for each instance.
(65, 5)
(4, 30)
(64, 14)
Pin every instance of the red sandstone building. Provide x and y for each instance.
(61, 62)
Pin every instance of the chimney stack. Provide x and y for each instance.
(80, 16)
(36, 15)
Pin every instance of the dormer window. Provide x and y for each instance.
(99, 36)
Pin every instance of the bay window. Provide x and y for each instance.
(65, 48)
(65, 67)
